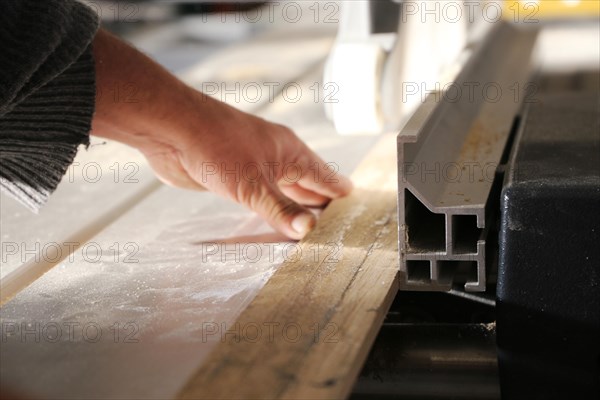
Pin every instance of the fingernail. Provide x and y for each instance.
(302, 223)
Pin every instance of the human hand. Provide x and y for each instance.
(261, 165)
(193, 141)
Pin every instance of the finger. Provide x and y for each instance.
(281, 212)
(304, 196)
(321, 177)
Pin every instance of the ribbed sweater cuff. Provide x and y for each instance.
(39, 137)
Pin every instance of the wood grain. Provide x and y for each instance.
(309, 330)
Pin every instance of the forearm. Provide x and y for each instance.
(138, 101)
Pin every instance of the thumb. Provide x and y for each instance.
(282, 213)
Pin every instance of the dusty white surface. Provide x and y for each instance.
(158, 275)
(102, 177)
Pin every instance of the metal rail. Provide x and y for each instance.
(448, 155)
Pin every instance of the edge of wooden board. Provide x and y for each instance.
(309, 330)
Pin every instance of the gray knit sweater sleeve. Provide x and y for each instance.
(47, 93)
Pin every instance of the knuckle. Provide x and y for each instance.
(248, 193)
(282, 208)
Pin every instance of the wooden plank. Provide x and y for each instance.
(309, 330)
